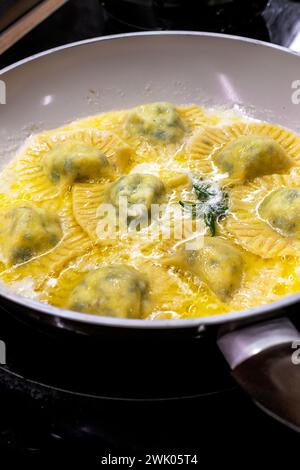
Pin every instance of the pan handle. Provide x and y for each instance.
(265, 361)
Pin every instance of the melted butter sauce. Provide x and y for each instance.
(173, 293)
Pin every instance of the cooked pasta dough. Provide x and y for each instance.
(74, 161)
(68, 241)
(50, 163)
(159, 121)
(264, 216)
(281, 209)
(218, 263)
(28, 232)
(249, 156)
(115, 290)
(244, 151)
(155, 212)
(140, 191)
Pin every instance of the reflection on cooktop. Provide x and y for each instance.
(283, 22)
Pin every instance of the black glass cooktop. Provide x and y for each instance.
(88, 398)
(57, 394)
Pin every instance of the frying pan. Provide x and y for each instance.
(122, 71)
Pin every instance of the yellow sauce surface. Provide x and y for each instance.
(192, 144)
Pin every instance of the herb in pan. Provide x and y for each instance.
(211, 203)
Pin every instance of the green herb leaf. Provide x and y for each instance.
(203, 191)
(211, 203)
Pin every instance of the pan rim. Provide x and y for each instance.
(198, 322)
(96, 39)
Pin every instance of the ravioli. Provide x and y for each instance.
(65, 240)
(218, 263)
(159, 121)
(192, 116)
(139, 190)
(154, 134)
(264, 216)
(243, 152)
(50, 163)
(281, 210)
(28, 232)
(250, 156)
(165, 291)
(75, 161)
(115, 290)
(134, 194)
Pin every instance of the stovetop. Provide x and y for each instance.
(57, 394)
(275, 20)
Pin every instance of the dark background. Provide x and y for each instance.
(76, 20)
(277, 21)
